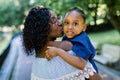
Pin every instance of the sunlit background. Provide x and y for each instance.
(103, 25)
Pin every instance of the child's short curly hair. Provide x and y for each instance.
(36, 29)
(79, 10)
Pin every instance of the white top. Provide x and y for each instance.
(58, 69)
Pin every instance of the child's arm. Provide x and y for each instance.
(72, 60)
(65, 45)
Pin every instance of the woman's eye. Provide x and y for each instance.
(66, 23)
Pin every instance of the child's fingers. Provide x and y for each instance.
(47, 56)
(46, 51)
(48, 47)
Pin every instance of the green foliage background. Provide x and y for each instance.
(13, 12)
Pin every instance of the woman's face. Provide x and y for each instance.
(56, 26)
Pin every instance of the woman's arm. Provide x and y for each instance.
(72, 60)
(65, 45)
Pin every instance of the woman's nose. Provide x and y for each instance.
(60, 23)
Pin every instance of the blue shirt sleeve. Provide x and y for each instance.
(81, 51)
(82, 46)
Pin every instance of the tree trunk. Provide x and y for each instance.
(115, 20)
(113, 7)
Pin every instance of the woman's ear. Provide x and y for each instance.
(84, 27)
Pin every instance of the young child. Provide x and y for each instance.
(74, 30)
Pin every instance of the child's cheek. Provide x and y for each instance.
(77, 30)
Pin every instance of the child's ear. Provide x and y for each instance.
(84, 27)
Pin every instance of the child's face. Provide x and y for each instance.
(73, 24)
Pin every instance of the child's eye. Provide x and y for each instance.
(75, 24)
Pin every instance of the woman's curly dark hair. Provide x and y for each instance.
(36, 29)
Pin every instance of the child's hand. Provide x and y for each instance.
(51, 52)
(95, 77)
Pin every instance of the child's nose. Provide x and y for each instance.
(69, 26)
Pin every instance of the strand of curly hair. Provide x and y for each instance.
(36, 29)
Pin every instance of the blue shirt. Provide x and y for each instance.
(83, 47)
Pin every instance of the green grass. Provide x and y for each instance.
(110, 37)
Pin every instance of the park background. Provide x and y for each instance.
(103, 26)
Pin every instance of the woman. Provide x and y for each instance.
(41, 29)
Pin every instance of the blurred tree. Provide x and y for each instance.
(12, 12)
(91, 7)
(114, 12)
